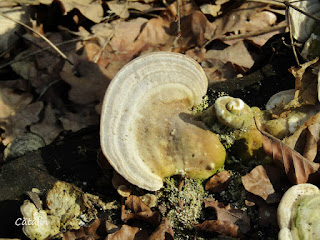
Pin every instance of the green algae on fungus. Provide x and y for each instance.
(236, 129)
(201, 106)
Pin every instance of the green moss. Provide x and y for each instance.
(202, 106)
(184, 207)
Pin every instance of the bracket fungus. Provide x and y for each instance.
(147, 132)
(299, 213)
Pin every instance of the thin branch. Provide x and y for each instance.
(246, 35)
(179, 25)
(40, 35)
(42, 50)
(288, 17)
(98, 55)
(254, 34)
(288, 4)
(270, 2)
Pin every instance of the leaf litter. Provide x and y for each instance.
(53, 95)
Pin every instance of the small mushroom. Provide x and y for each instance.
(147, 132)
(298, 213)
(233, 112)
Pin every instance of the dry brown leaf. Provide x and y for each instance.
(48, 128)
(138, 210)
(122, 8)
(237, 54)
(217, 71)
(80, 118)
(306, 139)
(260, 21)
(128, 233)
(91, 9)
(163, 232)
(213, 226)
(84, 233)
(87, 79)
(17, 113)
(298, 168)
(234, 216)
(218, 182)
(235, 20)
(305, 85)
(10, 101)
(258, 182)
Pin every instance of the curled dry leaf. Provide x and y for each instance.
(237, 54)
(91, 9)
(306, 139)
(217, 226)
(297, 167)
(87, 79)
(80, 118)
(18, 116)
(138, 210)
(84, 233)
(218, 182)
(234, 216)
(128, 233)
(48, 128)
(122, 8)
(163, 232)
(258, 182)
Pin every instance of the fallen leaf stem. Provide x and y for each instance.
(40, 35)
(42, 50)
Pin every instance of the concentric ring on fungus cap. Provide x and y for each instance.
(146, 132)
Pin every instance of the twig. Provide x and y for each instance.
(40, 35)
(42, 50)
(179, 26)
(245, 35)
(46, 88)
(288, 17)
(271, 2)
(98, 55)
(254, 34)
(288, 4)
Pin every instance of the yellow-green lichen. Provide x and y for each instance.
(184, 204)
(201, 106)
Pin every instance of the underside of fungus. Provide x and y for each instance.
(147, 132)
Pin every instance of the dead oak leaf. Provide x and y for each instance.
(234, 216)
(305, 140)
(88, 80)
(91, 9)
(79, 118)
(163, 232)
(16, 113)
(258, 182)
(128, 233)
(48, 128)
(217, 226)
(10, 101)
(218, 182)
(122, 8)
(297, 167)
(16, 124)
(236, 54)
(134, 208)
